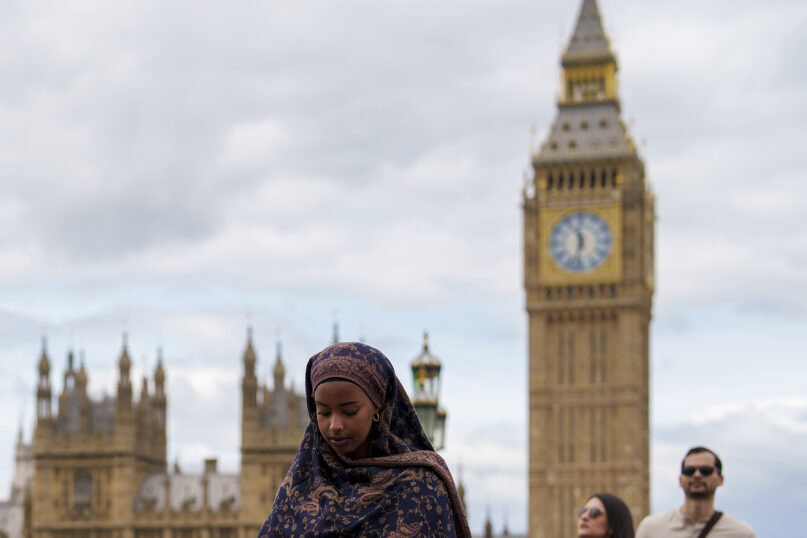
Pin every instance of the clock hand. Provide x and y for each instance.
(579, 240)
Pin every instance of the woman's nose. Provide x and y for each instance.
(336, 424)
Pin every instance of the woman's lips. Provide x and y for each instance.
(339, 442)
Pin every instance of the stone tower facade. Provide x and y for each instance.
(99, 467)
(91, 456)
(272, 425)
(588, 277)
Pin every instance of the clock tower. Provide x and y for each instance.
(588, 276)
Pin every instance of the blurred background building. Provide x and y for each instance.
(98, 469)
(588, 274)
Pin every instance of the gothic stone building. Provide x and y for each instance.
(100, 471)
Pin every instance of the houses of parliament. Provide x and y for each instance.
(97, 469)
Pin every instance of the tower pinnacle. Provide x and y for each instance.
(588, 41)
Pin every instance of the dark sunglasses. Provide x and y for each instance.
(705, 470)
(593, 513)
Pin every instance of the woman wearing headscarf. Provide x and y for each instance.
(365, 466)
(604, 515)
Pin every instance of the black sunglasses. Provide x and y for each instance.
(705, 470)
(592, 512)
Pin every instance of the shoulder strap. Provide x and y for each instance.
(709, 524)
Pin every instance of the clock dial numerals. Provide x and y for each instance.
(580, 242)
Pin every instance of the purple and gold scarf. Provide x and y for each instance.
(403, 489)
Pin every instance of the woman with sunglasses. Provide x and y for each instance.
(604, 515)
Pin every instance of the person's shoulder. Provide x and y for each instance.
(653, 523)
(738, 527)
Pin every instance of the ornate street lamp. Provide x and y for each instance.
(426, 397)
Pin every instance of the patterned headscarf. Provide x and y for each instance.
(404, 488)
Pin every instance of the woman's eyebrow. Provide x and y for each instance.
(339, 405)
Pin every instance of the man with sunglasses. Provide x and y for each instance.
(701, 474)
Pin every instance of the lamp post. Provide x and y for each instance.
(426, 396)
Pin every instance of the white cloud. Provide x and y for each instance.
(762, 203)
(256, 142)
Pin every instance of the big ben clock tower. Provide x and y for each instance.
(588, 275)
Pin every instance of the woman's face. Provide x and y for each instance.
(592, 526)
(345, 417)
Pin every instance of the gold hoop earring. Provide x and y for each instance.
(376, 417)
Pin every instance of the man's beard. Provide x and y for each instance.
(704, 493)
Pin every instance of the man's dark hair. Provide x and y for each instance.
(698, 450)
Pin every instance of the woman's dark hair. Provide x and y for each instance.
(619, 518)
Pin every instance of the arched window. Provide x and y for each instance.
(82, 488)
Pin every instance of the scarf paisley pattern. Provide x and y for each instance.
(404, 488)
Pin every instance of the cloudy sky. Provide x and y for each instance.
(179, 170)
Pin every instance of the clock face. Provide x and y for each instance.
(580, 242)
